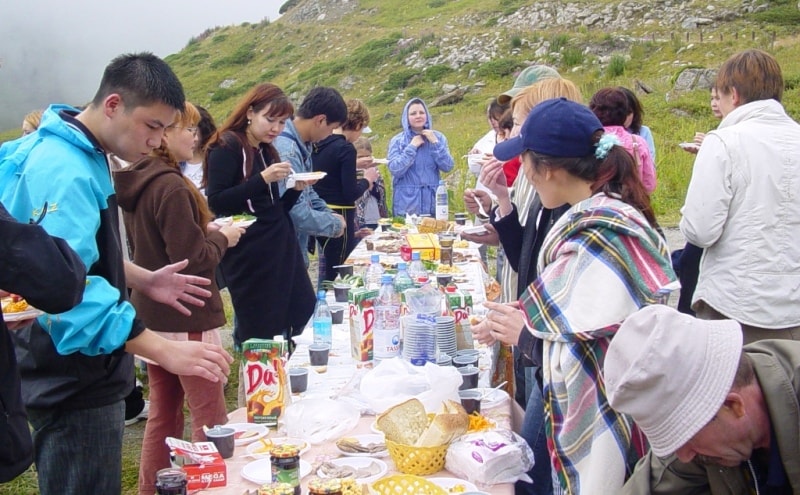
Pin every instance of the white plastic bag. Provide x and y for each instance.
(394, 381)
(490, 457)
(319, 420)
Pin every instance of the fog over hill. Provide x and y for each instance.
(55, 51)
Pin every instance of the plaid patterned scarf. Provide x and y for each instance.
(600, 262)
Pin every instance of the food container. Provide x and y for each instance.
(266, 384)
(362, 321)
(202, 463)
(426, 244)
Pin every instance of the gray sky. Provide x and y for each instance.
(54, 51)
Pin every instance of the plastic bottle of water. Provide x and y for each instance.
(322, 321)
(402, 280)
(374, 273)
(416, 269)
(442, 210)
(387, 321)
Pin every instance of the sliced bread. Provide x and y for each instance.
(405, 422)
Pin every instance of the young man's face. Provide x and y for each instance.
(133, 133)
(323, 128)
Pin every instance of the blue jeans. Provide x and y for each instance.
(79, 451)
(533, 433)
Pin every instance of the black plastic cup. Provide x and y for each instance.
(461, 361)
(223, 439)
(340, 292)
(318, 354)
(337, 313)
(470, 400)
(344, 270)
(469, 377)
(298, 380)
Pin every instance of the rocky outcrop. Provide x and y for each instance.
(319, 11)
(694, 78)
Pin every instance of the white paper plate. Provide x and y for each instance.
(365, 440)
(223, 221)
(260, 430)
(254, 448)
(374, 427)
(476, 230)
(689, 146)
(448, 483)
(381, 161)
(260, 471)
(362, 462)
(309, 175)
(29, 313)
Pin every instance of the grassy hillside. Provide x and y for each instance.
(364, 55)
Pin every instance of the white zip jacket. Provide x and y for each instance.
(743, 207)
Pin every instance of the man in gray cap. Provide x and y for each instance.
(720, 419)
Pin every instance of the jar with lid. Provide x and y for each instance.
(319, 486)
(286, 465)
(171, 481)
(276, 489)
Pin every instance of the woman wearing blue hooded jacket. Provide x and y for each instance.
(416, 157)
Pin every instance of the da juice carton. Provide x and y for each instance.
(266, 384)
(362, 320)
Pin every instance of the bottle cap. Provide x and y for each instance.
(376, 258)
(386, 278)
(321, 295)
(415, 255)
(401, 266)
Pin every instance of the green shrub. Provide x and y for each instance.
(558, 42)
(269, 75)
(323, 69)
(382, 98)
(437, 72)
(491, 22)
(430, 52)
(572, 56)
(516, 42)
(782, 15)
(498, 68)
(399, 79)
(219, 38)
(436, 3)
(241, 56)
(617, 66)
(366, 55)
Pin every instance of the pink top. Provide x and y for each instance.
(636, 145)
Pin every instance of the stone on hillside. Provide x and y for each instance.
(690, 79)
(227, 83)
(447, 88)
(347, 83)
(449, 99)
(694, 22)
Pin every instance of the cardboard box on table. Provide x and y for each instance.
(201, 462)
(459, 306)
(426, 244)
(266, 383)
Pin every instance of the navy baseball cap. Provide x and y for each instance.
(557, 127)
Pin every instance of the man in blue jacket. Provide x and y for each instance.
(77, 366)
(322, 111)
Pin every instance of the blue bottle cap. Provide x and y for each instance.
(386, 278)
(321, 295)
(401, 266)
(376, 258)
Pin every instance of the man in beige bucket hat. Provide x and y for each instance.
(720, 419)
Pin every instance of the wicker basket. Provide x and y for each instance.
(417, 460)
(404, 484)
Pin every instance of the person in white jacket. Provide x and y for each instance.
(743, 204)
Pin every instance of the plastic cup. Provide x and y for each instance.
(469, 377)
(337, 313)
(340, 292)
(470, 400)
(298, 380)
(461, 361)
(468, 352)
(223, 439)
(443, 279)
(318, 354)
(444, 360)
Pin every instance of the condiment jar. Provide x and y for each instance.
(276, 489)
(319, 486)
(171, 481)
(286, 465)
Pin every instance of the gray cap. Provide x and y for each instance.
(530, 75)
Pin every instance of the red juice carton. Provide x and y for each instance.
(266, 383)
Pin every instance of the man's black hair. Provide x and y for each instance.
(323, 101)
(141, 79)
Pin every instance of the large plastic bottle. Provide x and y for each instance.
(322, 321)
(417, 270)
(387, 321)
(442, 209)
(374, 273)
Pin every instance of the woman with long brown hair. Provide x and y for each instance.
(270, 289)
(167, 220)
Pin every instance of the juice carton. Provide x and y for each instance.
(459, 305)
(362, 321)
(201, 462)
(266, 383)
